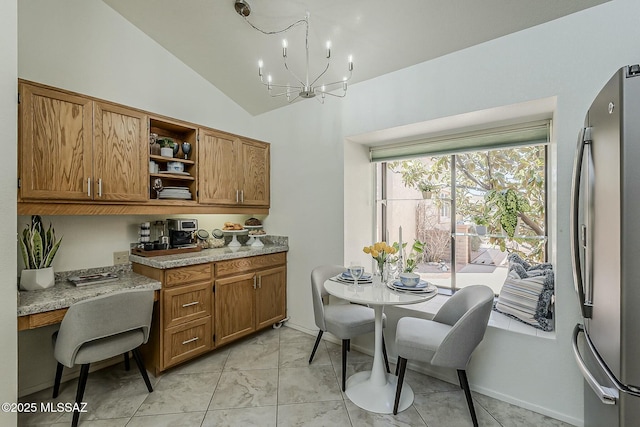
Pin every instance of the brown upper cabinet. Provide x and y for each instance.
(233, 170)
(79, 155)
(74, 148)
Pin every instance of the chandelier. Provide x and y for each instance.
(304, 87)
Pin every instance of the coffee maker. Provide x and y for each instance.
(182, 232)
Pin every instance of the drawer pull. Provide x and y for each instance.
(191, 340)
(189, 304)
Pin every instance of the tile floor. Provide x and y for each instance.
(266, 380)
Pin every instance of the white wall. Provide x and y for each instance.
(570, 58)
(78, 45)
(8, 173)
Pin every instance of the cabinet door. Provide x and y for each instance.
(271, 299)
(254, 173)
(234, 307)
(217, 169)
(55, 144)
(121, 154)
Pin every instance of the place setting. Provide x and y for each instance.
(411, 283)
(355, 274)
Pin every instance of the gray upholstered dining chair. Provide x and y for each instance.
(345, 321)
(449, 339)
(99, 328)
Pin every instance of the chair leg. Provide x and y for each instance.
(464, 383)
(127, 366)
(345, 346)
(315, 346)
(398, 365)
(384, 353)
(138, 358)
(56, 383)
(82, 383)
(402, 364)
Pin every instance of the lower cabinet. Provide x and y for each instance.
(205, 306)
(252, 297)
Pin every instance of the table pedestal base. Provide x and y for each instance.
(377, 398)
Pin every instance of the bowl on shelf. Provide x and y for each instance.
(409, 279)
(175, 167)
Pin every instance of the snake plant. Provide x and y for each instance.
(38, 247)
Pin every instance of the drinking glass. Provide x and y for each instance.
(356, 270)
(186, 149)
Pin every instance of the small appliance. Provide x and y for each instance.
(181, 232)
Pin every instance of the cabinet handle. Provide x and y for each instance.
(254, 282)
(237, 198)
(191, 340)
(100, 187)
(241, 196)
(260, 282)
(89, 187)
(189, 304)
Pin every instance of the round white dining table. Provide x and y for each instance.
(375, 390)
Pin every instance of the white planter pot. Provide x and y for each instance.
(166, 152)
(31, 280)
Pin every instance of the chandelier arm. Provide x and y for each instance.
(281, 86)
(293, 74)
(321, 74)
(334, 95)
(340, 81)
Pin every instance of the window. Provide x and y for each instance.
(453, 204)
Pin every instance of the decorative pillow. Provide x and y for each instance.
(527, 293)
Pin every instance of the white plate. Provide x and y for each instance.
(235, 231)
(346, 275)
(253, 227)
(428, 288)
(340, 279)
(177, 188)
(175, 173)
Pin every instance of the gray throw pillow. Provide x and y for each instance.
(527, 293)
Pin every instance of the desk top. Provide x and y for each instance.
(64, 293)
(375, 295)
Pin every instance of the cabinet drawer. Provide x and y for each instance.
(186, 341)
(192, 273)
(241, 265)
(185, 303)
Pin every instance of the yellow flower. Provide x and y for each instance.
(366, 249)
(374, 253)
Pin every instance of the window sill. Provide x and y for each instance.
(427, 310)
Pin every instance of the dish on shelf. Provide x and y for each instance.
(253, 227)
(175, 173)
(177, 188)
(174, 196)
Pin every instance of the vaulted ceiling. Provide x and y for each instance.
(382, 35)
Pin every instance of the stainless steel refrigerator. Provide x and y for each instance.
(605, 251)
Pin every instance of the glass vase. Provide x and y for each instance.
(381, 275)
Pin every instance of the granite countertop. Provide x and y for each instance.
(211, 255)
(64, 293)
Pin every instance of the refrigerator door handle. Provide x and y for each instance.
(607, 395)
(575, 229)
